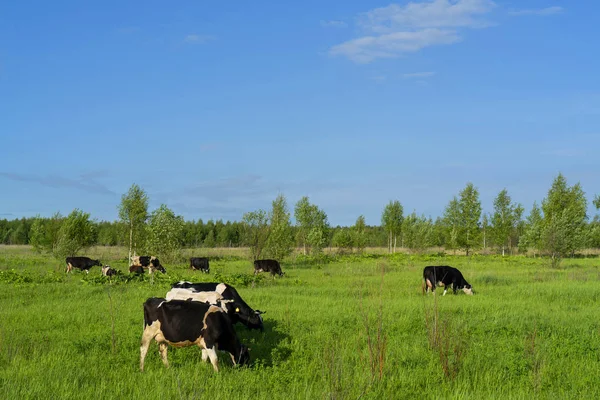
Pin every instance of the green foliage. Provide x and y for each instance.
(240, 279)
(391, 220)
(76, 233)
(563, 225)
(452, 222)
(44, 233)
(532, 237)
(417, 232)
(359, 239)
(312, 226)
(164, 233)
(342, 239)
(133, 212)
(597, 201)
(280, 242)
(505, 219)
(255, 232)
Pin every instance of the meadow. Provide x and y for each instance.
(338, 328)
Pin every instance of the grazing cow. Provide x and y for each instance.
(271, 266)
(200, 263)
(182, 323)
(136, 269)
(108, 271)
(82, 263)
(150, 262)
(443, 276)
(236, 308)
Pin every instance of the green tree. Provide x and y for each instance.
(532, 237)
(209, 240)
(164, 233)
(417, 232)
(391, 219)
(470, 214)
(76, 232)
(564, 219)
(359, 233)
(256, 231)
(133, 212)
(312, 226)
(597, 201)
(485, 225)
(343, 240)
(504, 220)
(280, 242)
(452, 222)
(44, 233)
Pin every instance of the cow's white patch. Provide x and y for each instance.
(185, 294)
(221, 288)
(468, 290)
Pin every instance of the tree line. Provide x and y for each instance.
(558, 227)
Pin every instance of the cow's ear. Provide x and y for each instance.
(237, 309)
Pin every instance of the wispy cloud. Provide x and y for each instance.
(198, 39)
(418, 75)
(394, 30)
(541, 11)
(333, 24)
(86, 182)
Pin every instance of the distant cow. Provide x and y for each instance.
(444, 276)
(150, 262)
(81, 263)
(108, 271)
(200, 263)
(136, 269)
(271, 266)
(236, 307)
(182, 323)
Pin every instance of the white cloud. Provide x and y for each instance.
(434, 14)
(333, 24)
(542, 11)
(395, 29)
(391, 45)
(414, 75)
(198, 39)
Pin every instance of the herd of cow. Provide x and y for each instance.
(139, 264)
(204, 314)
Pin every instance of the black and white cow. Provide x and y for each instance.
(182, 323)
(150, 262)
(108, 271)
(200, 263)
(444, 275)
(81, 263)
(230, 301)
(271, 266)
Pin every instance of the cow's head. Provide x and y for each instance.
(157, 266)
(105, 269)
(98, 263)
(468, 289)
(247, 316)
(244, 357)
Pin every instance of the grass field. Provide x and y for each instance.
(358, 327)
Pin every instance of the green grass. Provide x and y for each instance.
(529, 331)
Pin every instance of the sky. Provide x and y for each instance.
(215, 108)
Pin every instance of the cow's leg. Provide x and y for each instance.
(204, 355)
(147, 336)
(214, 360)
(162, 349)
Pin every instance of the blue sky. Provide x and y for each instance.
(216, 107)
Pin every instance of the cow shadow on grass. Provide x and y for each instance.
(268, 348)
